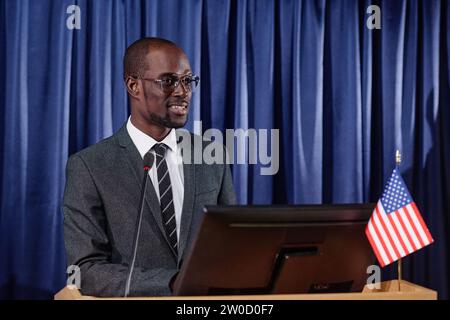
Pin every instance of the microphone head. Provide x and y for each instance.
(148, 161)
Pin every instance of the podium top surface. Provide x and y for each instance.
(387, 290)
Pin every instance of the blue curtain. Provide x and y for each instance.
(344, 98)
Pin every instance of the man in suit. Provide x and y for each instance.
(103, 186)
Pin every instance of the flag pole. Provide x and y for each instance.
(398, 160)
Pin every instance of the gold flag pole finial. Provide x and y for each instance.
(398, 160)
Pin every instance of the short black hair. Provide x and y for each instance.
(134, 63)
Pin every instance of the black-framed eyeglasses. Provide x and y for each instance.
(170, 82)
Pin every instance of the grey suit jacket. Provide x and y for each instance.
(100, 207)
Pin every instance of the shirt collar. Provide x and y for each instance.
(144, 142)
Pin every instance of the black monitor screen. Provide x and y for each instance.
(270, 250)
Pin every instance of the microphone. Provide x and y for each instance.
(148, 161)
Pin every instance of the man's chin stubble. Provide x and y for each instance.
(166, 122)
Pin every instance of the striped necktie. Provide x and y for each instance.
(166, 196)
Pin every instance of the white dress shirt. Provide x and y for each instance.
(174, 160)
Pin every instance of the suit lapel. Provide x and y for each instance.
(134, 160)
(188, 202)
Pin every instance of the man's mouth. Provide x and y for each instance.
(179, 109)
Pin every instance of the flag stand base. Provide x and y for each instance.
(389, 290)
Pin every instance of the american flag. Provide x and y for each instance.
(396, 227)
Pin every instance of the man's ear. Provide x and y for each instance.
(133, 87)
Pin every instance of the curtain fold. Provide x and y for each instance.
(342, 96)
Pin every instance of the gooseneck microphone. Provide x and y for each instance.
(148, 161)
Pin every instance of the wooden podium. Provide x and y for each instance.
(388, 291)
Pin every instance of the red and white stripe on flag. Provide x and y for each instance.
(398, 233)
